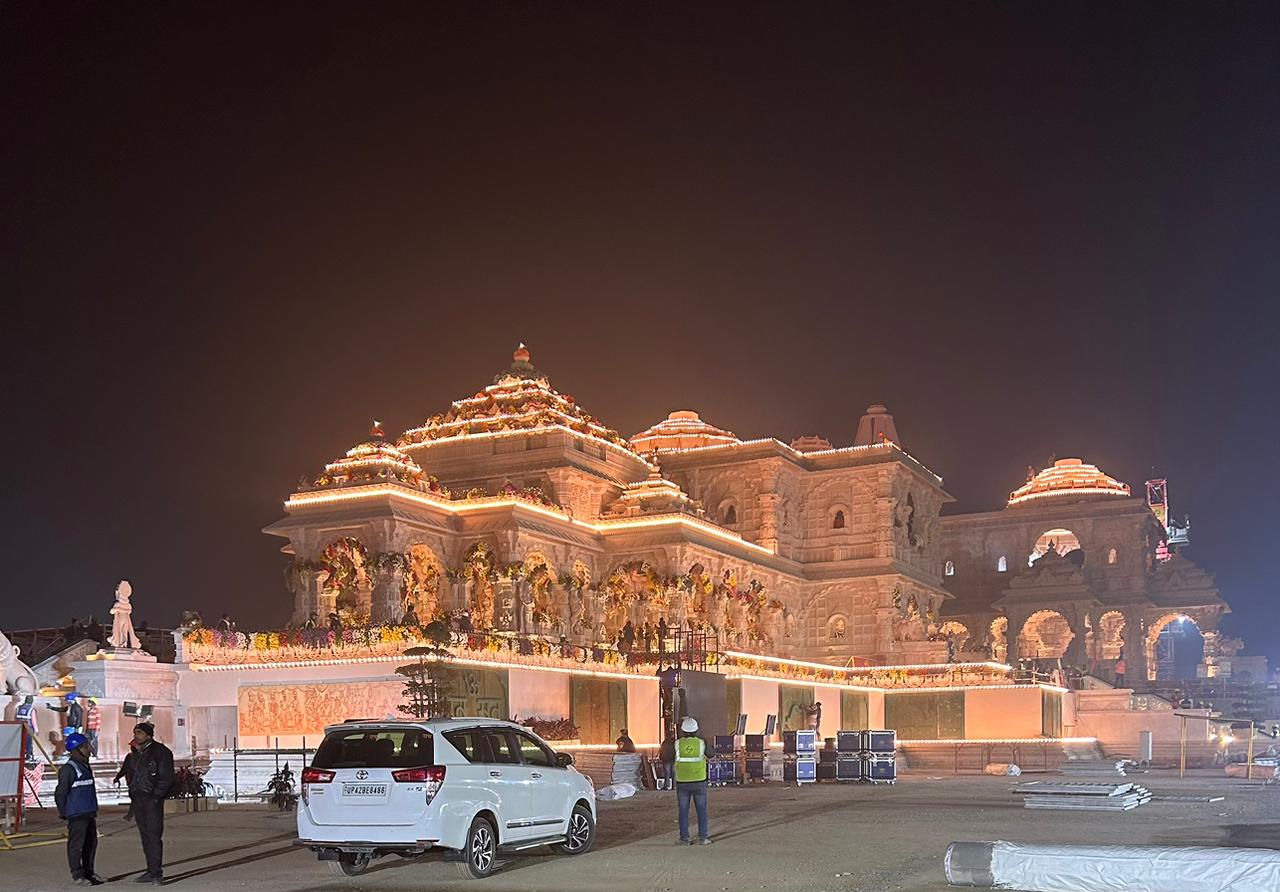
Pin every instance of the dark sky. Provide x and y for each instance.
(233, 235)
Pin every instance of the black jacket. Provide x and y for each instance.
(152, 771)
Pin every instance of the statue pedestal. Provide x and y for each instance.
(115, 676)
(128, 654)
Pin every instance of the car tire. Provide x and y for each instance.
(480, 850)
(582, 833)
(349, 865)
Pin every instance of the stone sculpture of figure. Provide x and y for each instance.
(18, 677)
(122, 634)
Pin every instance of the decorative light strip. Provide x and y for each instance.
(934, 689)
(423, 444)
(1000, 740)
(989, 664)
(1071, 491)
(887, 445)
(357, 493)
(401, 658)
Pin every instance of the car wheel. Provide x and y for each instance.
(349, 865)
(582, 833)
(480, 851)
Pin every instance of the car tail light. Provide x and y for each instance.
(432, 776)
(317, 776)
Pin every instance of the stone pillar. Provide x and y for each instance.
(1135, 650)
(388, 586)
(769, 520)
(309, 595)
(504, 607)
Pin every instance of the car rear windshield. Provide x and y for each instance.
(375, 748)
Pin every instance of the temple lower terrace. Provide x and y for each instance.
(823, 837)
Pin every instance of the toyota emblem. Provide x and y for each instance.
(361, 774)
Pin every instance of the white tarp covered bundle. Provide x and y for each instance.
(1044, 868)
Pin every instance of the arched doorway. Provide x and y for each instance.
(1110, 635)
(1045, 635)
(1064, 542)
(1174, 646)
(955, 632)
(1000, 639)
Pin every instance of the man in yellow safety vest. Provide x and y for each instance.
(691, 780)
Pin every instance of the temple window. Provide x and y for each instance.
(837, 628)
(1002, 565)
(1113, 557)
(731, 514)
(949, 568)
(837, 522)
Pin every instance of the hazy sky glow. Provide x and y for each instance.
(235, 235)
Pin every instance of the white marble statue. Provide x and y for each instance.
(122, 634)
(18, 677)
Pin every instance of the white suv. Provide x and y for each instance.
(473, 787)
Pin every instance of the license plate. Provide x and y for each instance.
(364, 789)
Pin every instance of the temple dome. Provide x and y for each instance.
(655, 495)
(811, 443)
(376, 461)
(1069, 479)
(876, 426)
(681, 430)
(519, 399)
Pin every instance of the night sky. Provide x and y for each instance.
(232, 236)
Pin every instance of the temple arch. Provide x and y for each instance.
(1063, 541)
(1045, 635)
(423, 577)
(1151, 643)
(957, 633)
(1110, 637)
(999, 632)
(346, 561)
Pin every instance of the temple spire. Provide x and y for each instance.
(875, 427)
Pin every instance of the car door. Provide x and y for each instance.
(550, 785)
(514, 783)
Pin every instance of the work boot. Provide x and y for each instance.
(95, 880)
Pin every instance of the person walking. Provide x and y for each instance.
(77, 802)
(691, 780)
(153, 776)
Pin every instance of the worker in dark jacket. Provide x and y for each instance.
(77, 802)
(152, 779)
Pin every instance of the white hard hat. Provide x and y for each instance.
(689, 725)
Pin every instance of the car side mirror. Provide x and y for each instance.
(564, 760)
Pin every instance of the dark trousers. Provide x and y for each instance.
(698, 793)
(82, 844)
(148, 814)
(93, 742)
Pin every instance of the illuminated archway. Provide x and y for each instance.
(1110, 635)
(346, 560)
(999, 632)
(540, 576)
(1152, 640)
(1064, 542)
(1045, 635)
(424, 574)
(957, 632)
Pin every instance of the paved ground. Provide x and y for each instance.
(823, 837)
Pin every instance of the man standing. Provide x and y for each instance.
(691, 780)
(77, 802)
(92, 724)
(152, 777)
(26, 713)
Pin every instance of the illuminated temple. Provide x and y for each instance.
(812, 573)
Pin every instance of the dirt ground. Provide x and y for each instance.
(819, 837)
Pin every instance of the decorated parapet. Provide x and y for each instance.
(209, 649)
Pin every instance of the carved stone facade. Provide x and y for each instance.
(1072, 572)
(802, 550)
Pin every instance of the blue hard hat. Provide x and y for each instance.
(71, 696)
(75, 740)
